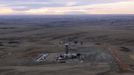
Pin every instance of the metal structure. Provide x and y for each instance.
(66, 48)
(63, 57)
(42, 58)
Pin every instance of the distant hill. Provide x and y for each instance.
(67, 20)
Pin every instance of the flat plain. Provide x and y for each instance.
(23, 38)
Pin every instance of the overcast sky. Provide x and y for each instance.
(61, 7)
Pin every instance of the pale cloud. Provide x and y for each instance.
(52, 3)
(48, 7)
(114, 8)
(110, 8)
(6, 11)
